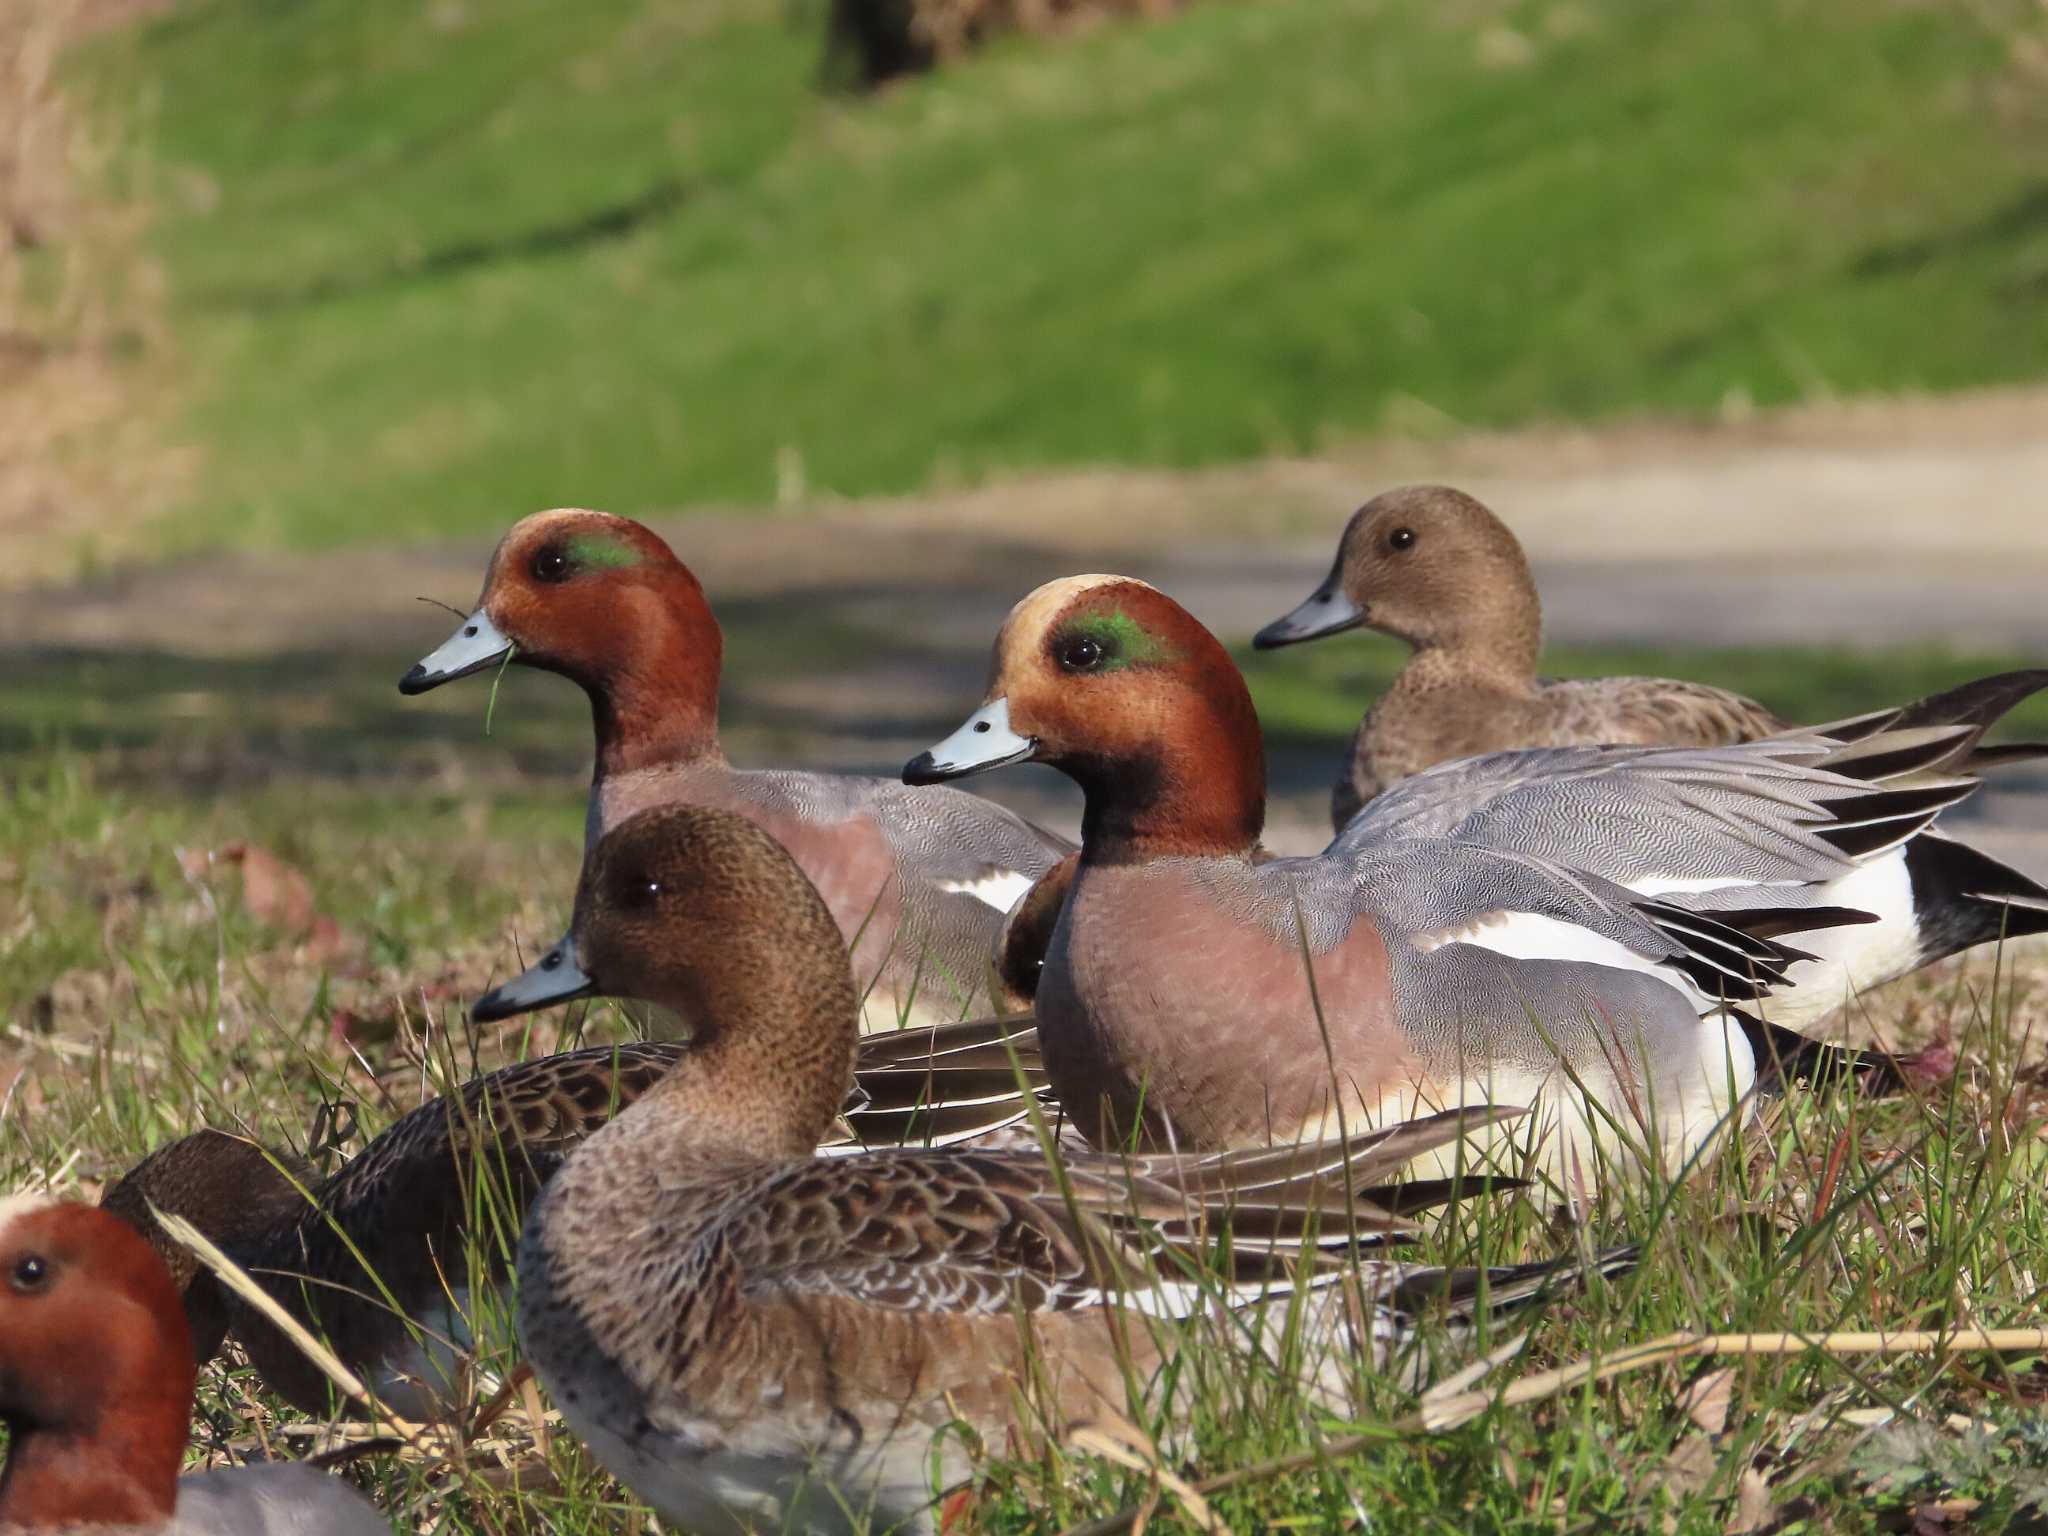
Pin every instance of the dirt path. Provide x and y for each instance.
(1876, 524)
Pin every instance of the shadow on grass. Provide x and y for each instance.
(593, 228)
(836, 687)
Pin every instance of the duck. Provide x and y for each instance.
(1606, 934)
(1436, 568)
(96, 1377)
(750, 1335)
(918, 879)
(375, 1256)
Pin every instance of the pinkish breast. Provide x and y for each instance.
(1168, 1000)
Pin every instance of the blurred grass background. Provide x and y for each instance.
(434, 264)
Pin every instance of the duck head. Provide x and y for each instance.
(700, 911)
(96, 1370)
(1426, 564)
(1116, 685)
(232, 1189)
(603, 601)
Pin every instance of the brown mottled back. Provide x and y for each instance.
(227, 1186)
(407, 1203)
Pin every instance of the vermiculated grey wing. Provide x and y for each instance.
(1789, 810)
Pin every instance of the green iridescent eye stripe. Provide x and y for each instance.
(1125, 642)
(598, 552)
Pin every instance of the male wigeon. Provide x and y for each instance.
(1432, 566)
(745, 1332)
(376, 1256)
(1526, 927)
(96, 1379)
(917, 879)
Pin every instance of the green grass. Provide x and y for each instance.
(1830, 1213)
(436, 265)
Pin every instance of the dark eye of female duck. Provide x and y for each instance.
(1400, 539)
(639, 893)
(1080, 653)
(551, 564)
(31, 1274)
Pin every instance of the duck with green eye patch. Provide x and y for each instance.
(1120, 640)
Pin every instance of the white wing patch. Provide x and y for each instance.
(1698, 885)
(1537, 936)
(1533, 936)
(993, 887)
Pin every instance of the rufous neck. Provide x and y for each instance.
(654, 701)
(120, 1470)
(1199, 792)
(643, 722)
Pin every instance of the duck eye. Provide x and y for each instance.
(1080, 652)
(640, 893)
(551, 564)
(1401, 538)
(31, 1274)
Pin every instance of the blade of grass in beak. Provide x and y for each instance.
(497, 677)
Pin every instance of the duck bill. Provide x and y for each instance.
(477, 643)
(984, 741)
(554, 978)
(1326, 612)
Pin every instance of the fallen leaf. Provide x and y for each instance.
(1705, 1399)
(378, 1018)
(1754, 1506)
(276, 894)
(273, 891)
(1689, 1467)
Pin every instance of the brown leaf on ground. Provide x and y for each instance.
(1942, 1516)
(1685, 1475)
(277, 895)
(377, 1017)
(1755, 1509)
(1705, 1399)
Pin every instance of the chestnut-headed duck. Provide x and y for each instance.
(376, 1256)
(744, 1332)
(96, 1378)
(918, 879)
(1488, 931)
(1432, 566)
